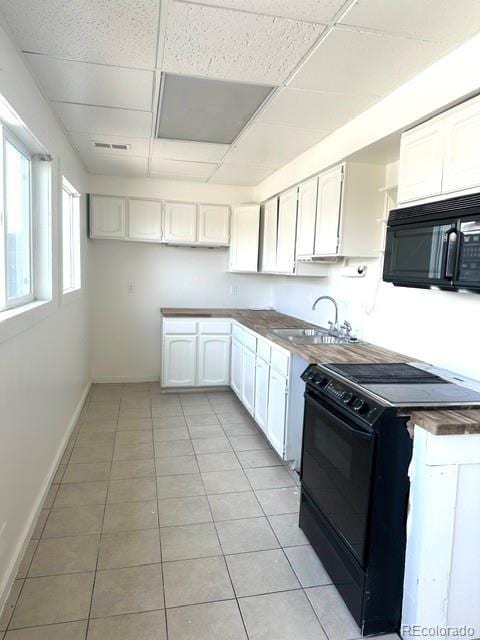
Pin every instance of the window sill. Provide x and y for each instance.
(15, 321)
(70, 296)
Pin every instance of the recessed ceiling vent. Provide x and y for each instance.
(205, 110)
(106, 146)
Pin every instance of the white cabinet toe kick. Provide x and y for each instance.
(220, 352)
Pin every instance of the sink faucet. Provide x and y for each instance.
(333, 325)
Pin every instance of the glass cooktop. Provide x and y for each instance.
(404, 385)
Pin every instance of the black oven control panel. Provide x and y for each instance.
(344, 395)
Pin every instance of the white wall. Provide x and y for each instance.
(44, 370)
(125, 322)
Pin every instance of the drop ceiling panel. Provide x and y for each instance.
(309, 10)
(313, 109)
(424, 19)
(220, 43)
(271, 145)
(119, 33)
(207, 110)
(240, 174)
(192, 151)
(120, 122)
(181, 169)
(94, 84)
(360, 62)
(117, 166)
(84, 143)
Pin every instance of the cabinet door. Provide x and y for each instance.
(180, 222)
(461, 168)
(421, 162)
(108, 217)
(244, 239)
(213, 224)
(307, 211)
(262, 372)
(179, 361)
(269, 235)
(287, 231)
(213, 360)
(248, 380)
(277, 407)
(145, 220)
(329, 200)
(236, 368)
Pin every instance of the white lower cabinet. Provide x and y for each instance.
(236, 368)
(277, 408)
(248, 380)
(179, 360)
(213, 360)
(262, 374)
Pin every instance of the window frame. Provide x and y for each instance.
(6, 135)
(75, 238)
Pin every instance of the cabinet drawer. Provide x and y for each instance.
(280, 360)
(179, 326)
(249, 341)
(218, 327)
(263, 350)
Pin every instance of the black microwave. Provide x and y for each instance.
(436, 244)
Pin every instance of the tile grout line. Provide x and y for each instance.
(87, 629)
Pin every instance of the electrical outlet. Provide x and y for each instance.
(233, 290)
(131, 287)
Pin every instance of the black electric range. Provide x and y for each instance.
(355, 456)
(404, 385)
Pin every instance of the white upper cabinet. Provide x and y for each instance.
(287, 230)
(421, 162)
(442, 156)
(213, 360)
(462, 148)
(145, 220)
(180, 222)
(268, 258)
(329, 200)
(108, 217)
(244, 238)
(213, 224)
(307, 211)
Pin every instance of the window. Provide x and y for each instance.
(71, 237)
(16, 281)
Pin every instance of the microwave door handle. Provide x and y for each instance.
(451, 238)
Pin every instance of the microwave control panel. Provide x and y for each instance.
(469, 258)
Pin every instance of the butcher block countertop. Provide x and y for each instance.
(438, 422)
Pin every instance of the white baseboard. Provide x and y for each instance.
(125, 379)
(11, 573)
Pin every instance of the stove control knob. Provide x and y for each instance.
(348, 397)
(360, 406)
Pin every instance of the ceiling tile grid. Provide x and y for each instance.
(100, 63)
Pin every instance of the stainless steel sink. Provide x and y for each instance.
(308, 335)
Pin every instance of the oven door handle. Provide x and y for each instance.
(358, 432)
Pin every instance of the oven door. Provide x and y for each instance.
(421, 254)
(337, 464)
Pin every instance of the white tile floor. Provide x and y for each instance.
(170, 517)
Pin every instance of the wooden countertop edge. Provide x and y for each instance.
(436, 421)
